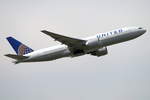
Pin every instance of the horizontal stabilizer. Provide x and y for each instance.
(17, 57)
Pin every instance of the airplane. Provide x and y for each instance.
(73, 47)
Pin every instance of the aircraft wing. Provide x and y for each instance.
(71, 42)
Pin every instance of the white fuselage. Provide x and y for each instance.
(93, 43)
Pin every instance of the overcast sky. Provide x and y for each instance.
(123, 74)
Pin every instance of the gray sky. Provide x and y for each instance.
(123, 74)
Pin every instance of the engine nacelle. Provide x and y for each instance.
(100, 52)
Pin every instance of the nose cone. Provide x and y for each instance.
(144, 30)
(141, 30)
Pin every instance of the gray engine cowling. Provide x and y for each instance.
(100, 52)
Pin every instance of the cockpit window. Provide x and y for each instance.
(140, 28)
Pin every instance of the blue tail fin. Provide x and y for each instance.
(19, 48)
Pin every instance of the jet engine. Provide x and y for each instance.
(100, 52)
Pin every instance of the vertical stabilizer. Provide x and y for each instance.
(19, 48)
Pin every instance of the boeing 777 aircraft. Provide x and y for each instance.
(72, 47)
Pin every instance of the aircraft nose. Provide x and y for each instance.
(142, 30)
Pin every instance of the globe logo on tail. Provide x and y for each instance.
(22, 50)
